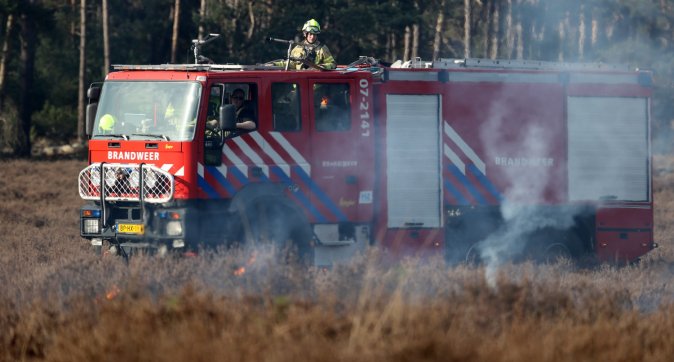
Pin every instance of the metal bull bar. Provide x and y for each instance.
(126, 182)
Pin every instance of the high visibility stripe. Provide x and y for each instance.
(266, 147)
(325, 200)
(234, 159)
(299, 195)
(455, 159)
(252, 155)
(221, 179)
(292, 151)
(456, 193)
(467, 184)
(485, 182)
(459, 142)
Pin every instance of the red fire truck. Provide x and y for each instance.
(458, 157)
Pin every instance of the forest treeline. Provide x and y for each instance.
(52, 49)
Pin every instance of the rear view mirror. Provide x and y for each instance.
(93, 93)
(227, 117)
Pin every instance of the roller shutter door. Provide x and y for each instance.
(413, 160)
(608, 148)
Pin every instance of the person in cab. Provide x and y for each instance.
(245, 116)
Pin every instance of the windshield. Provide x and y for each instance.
(148, 110)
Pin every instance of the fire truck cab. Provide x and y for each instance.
(453, 157)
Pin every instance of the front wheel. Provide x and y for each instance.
(273, 223)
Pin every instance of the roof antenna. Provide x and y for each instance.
(198, 43)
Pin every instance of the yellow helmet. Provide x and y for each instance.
(170, 111)
(311, 26)
(106, 123)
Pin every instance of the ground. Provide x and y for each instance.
(61, 302)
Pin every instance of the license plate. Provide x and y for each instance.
(130, 228)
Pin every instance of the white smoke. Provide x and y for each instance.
(527, 184)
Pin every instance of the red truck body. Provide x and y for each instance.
(445, 157)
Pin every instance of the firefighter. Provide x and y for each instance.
(311, 49)
(106, 123)
(245, 117)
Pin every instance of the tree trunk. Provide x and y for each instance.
(106, 39)
(519, 38)
(27, 60)
(467, 15)
(387, 47)
(81, 99)
(415, 41)
(438, 29)
(487, 9)
(251, 16)
(414, 51)
(174, 38)
(73, 23)
(594, 32)
(9, 27)
(581, 32)
(495, 25)
(406, 44)
(561, 33)
(202, 16)
(509, 31)
(394, 47)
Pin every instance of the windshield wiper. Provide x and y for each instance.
(116, 135)
(164, 137)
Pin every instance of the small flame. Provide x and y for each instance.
(112, 293)
(242, 269)
(324, 102)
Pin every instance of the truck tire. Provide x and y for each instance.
(273, 222)
(550, 247)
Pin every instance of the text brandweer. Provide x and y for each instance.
(133, 155)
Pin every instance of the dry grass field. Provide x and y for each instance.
(59, 302)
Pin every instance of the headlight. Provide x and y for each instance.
(110, 177)
(90, 226)
(174, 228)
(95, 177)
(134, 178)
(150, 179)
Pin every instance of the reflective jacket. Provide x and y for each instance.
(317, 53)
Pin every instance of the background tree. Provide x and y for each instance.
(81, 101)
(27, 40)
(41, 57)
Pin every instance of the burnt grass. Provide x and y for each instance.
(61, 302)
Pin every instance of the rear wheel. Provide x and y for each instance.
(551, 247)
(555, 252)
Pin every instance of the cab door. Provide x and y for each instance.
(342, 139)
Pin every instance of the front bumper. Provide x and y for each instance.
(129, 225)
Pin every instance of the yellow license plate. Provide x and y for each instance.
(130, 228)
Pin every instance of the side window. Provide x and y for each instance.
(242, 95)
(332, 106)
(244, 98)
(214, 103)
(285, 107)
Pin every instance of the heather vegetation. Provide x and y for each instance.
(61, 302)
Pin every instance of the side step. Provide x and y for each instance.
(330, 250)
